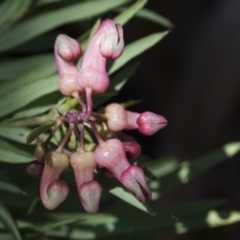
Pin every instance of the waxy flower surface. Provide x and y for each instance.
(113, 149)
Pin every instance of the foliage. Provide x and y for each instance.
(30, 98)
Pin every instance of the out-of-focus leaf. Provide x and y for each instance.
(136, 48)
(190, 169)
(13, 157)
(46, 21)
(8, 221)
(9, 187)
(116, 84)
(37, 131)
(11, 11)
(39, 65)
(17, 134)
(129, 12)
(154, 17)
(27, 93)
(130, 199)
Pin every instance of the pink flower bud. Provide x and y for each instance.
(83, 164)
(90, 193)
(35, 169)
(67, 50)
(133, 150)
(111, 154)
(132, 120)
(116, 117)
(107, 42)
(52, 190)
(134, 180)
(149, 123)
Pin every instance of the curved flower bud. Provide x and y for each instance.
(90, 193)
(149, 123)
(133, 150)
(52, 190)
(66, 51)
(134, 180)
(107, 42)
(83, 164)
(111, 154)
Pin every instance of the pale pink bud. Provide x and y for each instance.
(111, 155)
(90, 193)
(52, 190)
(67, 50)
(35, 169)
(116, 117)
(149, 123)
(83, 164)
(133, 150)
(134, 180)
(107, 42)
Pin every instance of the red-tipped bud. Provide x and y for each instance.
(149, 123)
(133, 150)
(111, 154)
(134, 180)
(52, 190)
(90, 193)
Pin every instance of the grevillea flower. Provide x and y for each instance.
(113, 149)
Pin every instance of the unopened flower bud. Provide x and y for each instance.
(133, 150)
(40, 152)
(116, 117)
(111, 154)
(90, 193)
(134, 180)
(35, 169)
(149, 123)
(107, 42)
(52, 190)
(66, 51)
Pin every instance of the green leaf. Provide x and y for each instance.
(9, 187)
(24, 95)
(8, 221)
(13, 157)
(154, 17)
(130, 199)
(44, 22)
(190, 169)
(17, 134)
(117, 83)
(136, 48)
(129, 12)
(33, 67)
(38, 131)
(11, 11)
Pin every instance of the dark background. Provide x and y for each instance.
(192, 77)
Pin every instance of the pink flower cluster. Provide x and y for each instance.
(113, 151)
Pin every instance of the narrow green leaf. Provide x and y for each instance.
(129, 12)
(130, 199)
(8, 221)
(11, 11)
(27, 93)
(44, 22)
(17, 134)
(36, 67)
(9, 187)
(117, 83)
(38, 131)
(154, 17)
(13, 157)
(136, 48)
